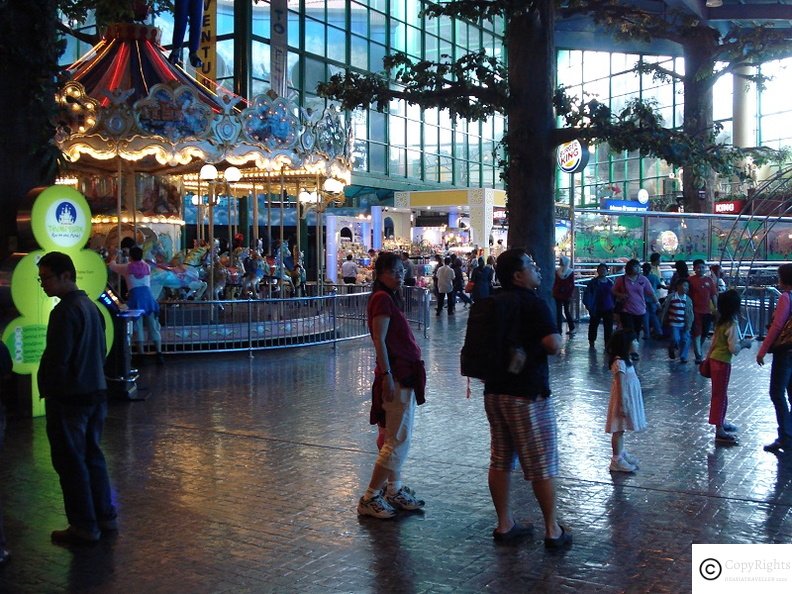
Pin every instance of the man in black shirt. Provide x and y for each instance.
(518, 405)
(71, 379)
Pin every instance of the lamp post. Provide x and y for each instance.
(209, 175)
(331, 192)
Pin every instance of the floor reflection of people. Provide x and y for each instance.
(392, 566)
(776, 524)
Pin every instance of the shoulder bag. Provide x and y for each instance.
(783, 341)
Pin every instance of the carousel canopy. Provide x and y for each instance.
(129, 59)
(127, 108)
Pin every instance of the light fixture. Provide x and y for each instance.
(208, 172)
(714, 3)
(232, 174)
(333, 186)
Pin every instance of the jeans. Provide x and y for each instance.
(607, 325)
(2, 435)
(74, 433)
(651, 323)
(565, 305)
(680, 339)
(781, 382)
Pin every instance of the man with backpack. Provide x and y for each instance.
(517, 395)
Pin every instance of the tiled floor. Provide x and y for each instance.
(242, 475)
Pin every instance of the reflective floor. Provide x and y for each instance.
(242, 475)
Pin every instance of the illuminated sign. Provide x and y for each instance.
(729, 207)
(572, 157)
(623, 205)
(60, 221)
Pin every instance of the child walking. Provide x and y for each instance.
(725, 344)
(626, 409)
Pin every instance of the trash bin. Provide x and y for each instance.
(121, 377)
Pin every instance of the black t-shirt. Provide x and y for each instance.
(535, 322)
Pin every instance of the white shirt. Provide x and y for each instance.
(348, 268)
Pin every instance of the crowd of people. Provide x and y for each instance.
(517, 397)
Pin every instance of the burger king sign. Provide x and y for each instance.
(572, 156)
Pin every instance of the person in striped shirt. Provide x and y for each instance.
(677, 314)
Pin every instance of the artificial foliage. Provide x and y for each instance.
(521, 87)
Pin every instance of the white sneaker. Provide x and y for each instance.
(621, 465)
(376, 507)
(405, 498)
(631, 459)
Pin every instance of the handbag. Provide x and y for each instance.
(704, 368)
(469, 286)
(783, 341)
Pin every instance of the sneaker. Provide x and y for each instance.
(683, 361)
(730, 428)
(4, 556)
(776, 446)
(621, 465)
(375, 507)
(630, 459)
(405, 499)
(699, 361)
(74, 535)
(671, 353)
(726, 439)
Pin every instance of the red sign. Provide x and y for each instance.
(729, 207)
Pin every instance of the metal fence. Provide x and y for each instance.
(756, 313)
(258, 324)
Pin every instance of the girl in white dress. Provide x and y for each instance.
(626, 409)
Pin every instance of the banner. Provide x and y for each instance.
(207, 51)
(279, 37)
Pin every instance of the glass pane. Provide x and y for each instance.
(398, 36)
(358, 19)
(261, 19)
(377, 27)
(336, 45)
(398, 162)
(359, 53)
(377, 158)
(414, 164)
(314, 37)
(315, 73)
(294, 30)
(397, 130)
(376, 126)
(376, 55)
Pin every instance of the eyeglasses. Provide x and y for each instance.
(43, 279)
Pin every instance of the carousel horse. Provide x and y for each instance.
(172, 272)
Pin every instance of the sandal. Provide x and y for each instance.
(560, 542)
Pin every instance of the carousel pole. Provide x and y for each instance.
(269, 214)
(319, 267)
(118, 202)
(255, 217)
(280, 246)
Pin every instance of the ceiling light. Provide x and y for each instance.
(714, 3)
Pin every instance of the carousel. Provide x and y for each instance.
(141, 138)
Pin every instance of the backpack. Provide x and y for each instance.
(490, 334)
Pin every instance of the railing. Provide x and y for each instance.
(756, 313)
(258, 324)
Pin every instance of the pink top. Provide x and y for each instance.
(780, 316)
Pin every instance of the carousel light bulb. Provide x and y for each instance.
(208, 172)
(232, 174)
